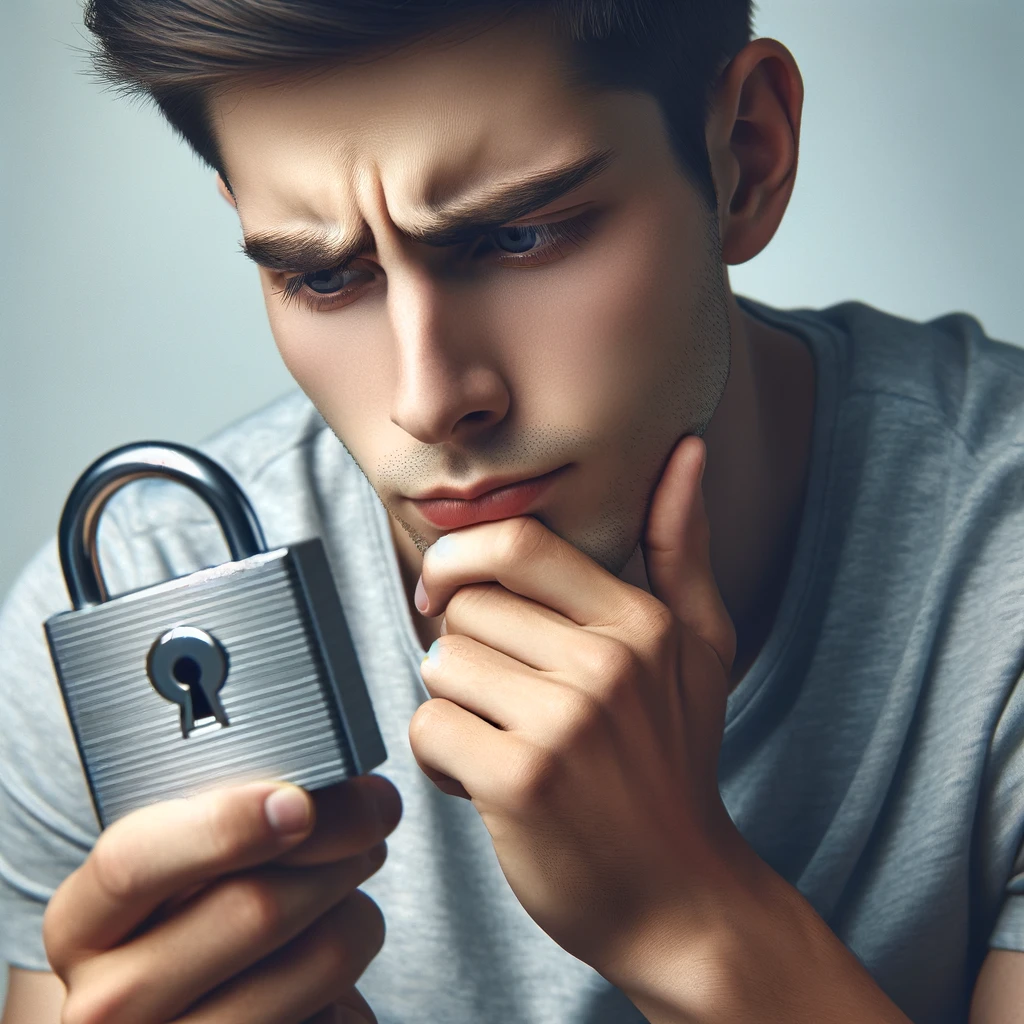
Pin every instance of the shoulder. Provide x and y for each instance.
(919, 477)
(969, 383)
(283, 428)
(926, 480)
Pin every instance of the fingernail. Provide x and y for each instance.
(433, 655)
(443, 628)
(443, 546)
(421, 595)
(287, 809)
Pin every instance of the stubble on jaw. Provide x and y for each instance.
(683, 404)
(418, 539)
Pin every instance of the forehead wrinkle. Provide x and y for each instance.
(447, 222)
(515, 197)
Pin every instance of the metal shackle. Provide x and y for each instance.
(79, 522)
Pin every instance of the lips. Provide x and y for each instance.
(450, 513)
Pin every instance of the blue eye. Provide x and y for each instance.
(324, 282)
(518, 239)
(524, 245)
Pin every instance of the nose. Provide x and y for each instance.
(449, 387)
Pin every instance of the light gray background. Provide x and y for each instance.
(127, 312)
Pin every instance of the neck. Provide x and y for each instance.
(758, 443)
(758, 446)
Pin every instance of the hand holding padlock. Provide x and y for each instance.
(200, 910)
(239, 672)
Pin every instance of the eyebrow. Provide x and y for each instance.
(453, 221)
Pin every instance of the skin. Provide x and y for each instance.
(443, 368)
(260, 925)
(579, 685)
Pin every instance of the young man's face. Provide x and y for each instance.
(586, 336)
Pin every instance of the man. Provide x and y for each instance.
(740, 742)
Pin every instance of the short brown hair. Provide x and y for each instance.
(174, 51)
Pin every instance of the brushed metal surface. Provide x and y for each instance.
(285, 719)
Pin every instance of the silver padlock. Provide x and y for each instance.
(239, 672)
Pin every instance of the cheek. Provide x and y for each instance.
(591, 343)
(341, 363)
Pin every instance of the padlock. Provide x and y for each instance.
(231, 674)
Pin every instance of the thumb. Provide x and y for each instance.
(677, 550)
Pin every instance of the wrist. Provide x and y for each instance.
(684, 956)
(750, 948)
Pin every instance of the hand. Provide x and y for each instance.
(198, 911)
(583, 718)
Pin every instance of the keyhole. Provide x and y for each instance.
(188, 667)
(188, 672)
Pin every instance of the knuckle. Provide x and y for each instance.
(79, 1010)
(454, 609)
(374, 858)
(466, 601)
(56, 954)
(650, 625)
(364, 918)
(610, 664)
(619, 693)
(115, 868)
(585, 717)
(518, 541)
(54, 933)
(660, 622)
(456, 647)
(73, 1011)
(348, 939)
(531, 779)
(579, 710)
(340, 955)
(99, 1004)
(426, 719)
(336, 953)
(250, 908)
(355, 870)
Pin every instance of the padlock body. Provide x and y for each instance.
(295, 698)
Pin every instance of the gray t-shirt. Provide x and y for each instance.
(872, 755)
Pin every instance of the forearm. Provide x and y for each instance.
(769, 957)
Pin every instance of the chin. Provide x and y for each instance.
(608, 540)
(611, 558)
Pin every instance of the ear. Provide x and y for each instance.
(222, 188)
(753, 137)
